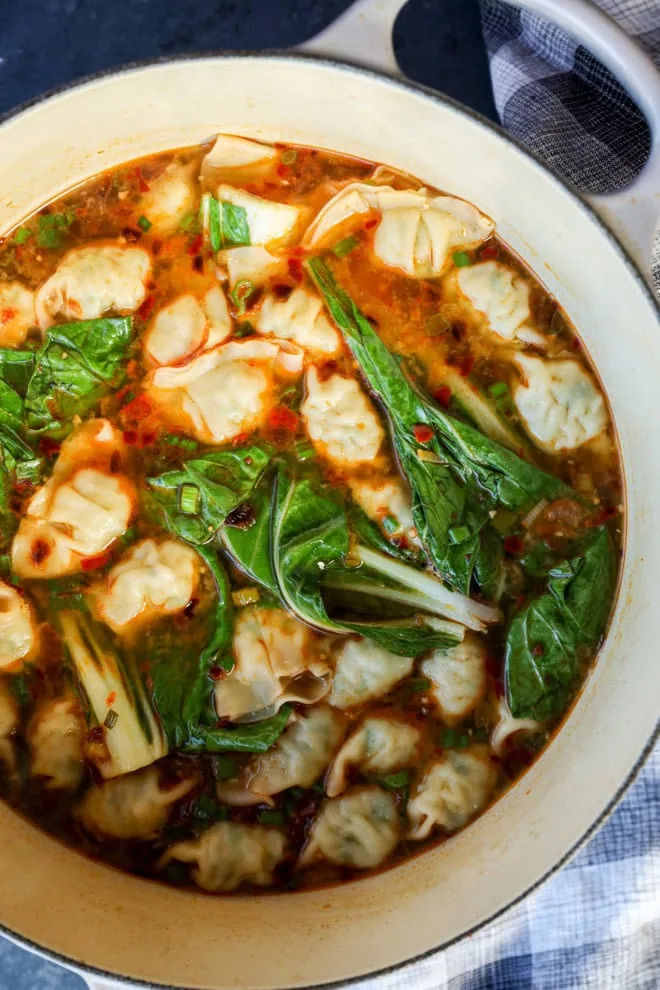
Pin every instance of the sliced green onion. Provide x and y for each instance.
(111, 719)
(189, 499)
(207, 808)
(241, 293)
(498, 389)
(226, 663)
(225, 768)
(395, 781)
(190, 224)
(143, 223)
(48, 238)
(270, 818)
(452, 739)
(345, 246)
(245, 596)
(462, 259)
(504, 520)
(391, 524)
(174, 440)
(244, 329)
(289, 157)
(459, 534)
(22, 235)
(418, 684)
(215, 235)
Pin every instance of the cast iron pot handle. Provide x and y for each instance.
(363, 35)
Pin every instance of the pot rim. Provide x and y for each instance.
(293, 55)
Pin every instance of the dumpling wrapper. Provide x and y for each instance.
(133, 806)
(451, 791)
(499, 294)
(269, 222)
(232, 156)
(300, 318)
(458, 676)
(251, 264)
(382, 743)
(171, 197)
(341, 420)
(365, 671)
(56, 737)
(360, 829)
(187, 325)
(17, 313)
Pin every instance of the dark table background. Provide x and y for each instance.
(45, 43)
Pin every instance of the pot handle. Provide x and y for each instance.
(363, 35)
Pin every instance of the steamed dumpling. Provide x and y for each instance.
(17, 315)
(365, 671)
(559, 403)
(299, 756)
(359, 829)
(380, 744)
(499, 294)
(229, 854)
(251, 264)
(19, 636)
(56, 737)
(341, 420)
(80, 511)
(451, 791)
(458, 676)
(268, 222)
(416, 232)
(171, 197)
(186, 325)
(300, 318)
(94, 280)
(151, 580)
(232, 155)
(9, 721)
(387, 502)
(133, 806)
(223, 393)
(278, 659)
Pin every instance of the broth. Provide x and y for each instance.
(311, 516)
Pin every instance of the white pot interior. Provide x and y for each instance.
(102, 918)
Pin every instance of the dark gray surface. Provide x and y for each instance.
(45, 43)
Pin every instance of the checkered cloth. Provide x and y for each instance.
(596, 924)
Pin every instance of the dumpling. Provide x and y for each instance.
(499, 294)
(268, 222)
(56, 737)
(19, 637)
(251, 264)
(17, 314)
(186, 325)
(300, 318)
(229, 854)
(223, 393)
(340, 419)
(416, 231)
(299, 756)
(151, 580)
(81, 510)
(130, 807)
(508, 726)
(94, 280)
(9, 721)
(365, 671)
(171, 197)
(559, 403)
(278, 659)
(387, 502)
(380, 744)
(235, 156)
(359, 829)
(452, 790)
(458, 676)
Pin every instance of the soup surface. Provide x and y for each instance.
(310, 511)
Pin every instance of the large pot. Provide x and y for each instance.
(101, 921)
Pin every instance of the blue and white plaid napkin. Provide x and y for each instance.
(596, 924)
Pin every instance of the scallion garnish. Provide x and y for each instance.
(241, 293)
(345, 246)
(225, 768)
(395, 781)
(244, 329)
(289, 156)
(498, 389)
(174, 440)
(268, 817)
(189, 499)
(391, 524)
(143, 223)
(111, 719)
(462, 259)
(22, 235)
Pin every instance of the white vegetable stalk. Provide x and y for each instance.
(132, 736)
(508, 726)
(429, 592)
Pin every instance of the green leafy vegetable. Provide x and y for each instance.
(22, 235)
(222, 479)
(16, 368)
(461, 259)
(144, 223)
(547, 636)
(74, 368)
(225, 225)
(249, 546)
(18, 463)
(345, 246)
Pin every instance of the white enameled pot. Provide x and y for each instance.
(111, 926)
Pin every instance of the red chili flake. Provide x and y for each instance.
(93, 563)
(130, 437)
(538, 649)
(122, 393)
(156, 246)
(143, 185)
(295, 269)
(196, 244)
(240, 439)
(282, 170)
(137, 409)
(147, 438)
(575, 344)
(23, 487)
(422, 434)
(281, 290)
(281, 418)
(217, 673)
(49, 447)
(7, 314)
(297, 252)
(603, 515)
(513, 545)
(110, 700)
(146, 307)
(490, 251)
(467, 365)
(443, 396)
(371, 223)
